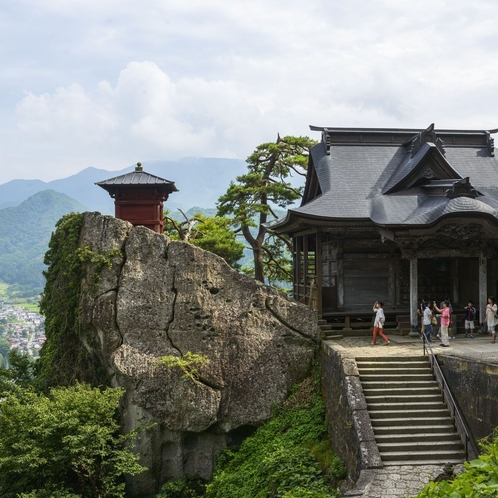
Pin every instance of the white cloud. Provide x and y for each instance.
(108, 82)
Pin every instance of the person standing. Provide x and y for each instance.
(470, 314)
(427, 322)
(420, 313)
(490, 318)
(445, 322)
(379, 322)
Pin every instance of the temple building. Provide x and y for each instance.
(396, 215)
(139, 197)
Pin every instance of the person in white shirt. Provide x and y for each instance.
(490, 318)
(379, 322)
(426, 320)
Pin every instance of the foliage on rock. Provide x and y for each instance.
(189, 363)
(280, 459)
(480, 479)
(211, 233)
(65, 445)
(63, 358)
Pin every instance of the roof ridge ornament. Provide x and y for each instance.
(139, 168)
(462, 188)
(491, 144)
(427, 135)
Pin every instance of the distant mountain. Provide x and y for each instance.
(200, 182)
(24, 235)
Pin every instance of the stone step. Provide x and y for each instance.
(421, 436)
(423, 370)
(333, 337)
(390, 358)
(427, 446)
(412, 412)
(444, 455)
(327, 327)
(407, 429)
(396, 377)
(322, 321)
(372, 384)
(407, 421)
(393, 364)
(428, 461)
(415, 391)
(404, 397)
(406, 407)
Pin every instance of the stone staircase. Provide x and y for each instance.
(411, 423)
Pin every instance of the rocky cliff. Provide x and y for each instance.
(166, 298)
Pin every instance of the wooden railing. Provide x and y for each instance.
(471, 450)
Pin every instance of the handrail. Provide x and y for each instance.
(471, 450)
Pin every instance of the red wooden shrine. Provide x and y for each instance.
(139, 196)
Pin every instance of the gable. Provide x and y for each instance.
(428, 164)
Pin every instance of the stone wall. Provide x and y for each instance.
(474, 384)
(349, 424)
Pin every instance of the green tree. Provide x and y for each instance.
(18, 371)
(253, 197)
(211, 233)
(65, 444)
(4, 347)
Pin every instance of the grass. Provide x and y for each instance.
(30, 306)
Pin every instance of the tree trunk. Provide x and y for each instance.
(259, 272)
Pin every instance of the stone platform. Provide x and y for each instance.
(407, 481)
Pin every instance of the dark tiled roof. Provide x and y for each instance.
(355, 177)
(137, 178)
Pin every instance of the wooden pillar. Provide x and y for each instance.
(319, 271)
(483, 286)
(307, 289)
(413, 295)
(340, 278)
(391, 282)
(397, 269)
(295, 270)
(455, 280)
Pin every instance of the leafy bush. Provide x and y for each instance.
(187, 487)
(189, 363)
(480, 479)
(64, 445)
(64, 359)
(278, 460)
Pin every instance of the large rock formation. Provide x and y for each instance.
(164, 297)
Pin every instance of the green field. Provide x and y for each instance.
(25, 303)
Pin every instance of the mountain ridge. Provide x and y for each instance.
(200, 182)
(24, 235)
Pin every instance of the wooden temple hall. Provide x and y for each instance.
(396, 215)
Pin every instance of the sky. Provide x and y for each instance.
(107, 83)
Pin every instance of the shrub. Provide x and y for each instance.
(65, 445)
(480, 479)
(278, 460)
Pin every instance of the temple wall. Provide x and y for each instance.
(349, 426)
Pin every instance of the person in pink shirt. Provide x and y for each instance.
(445, 322)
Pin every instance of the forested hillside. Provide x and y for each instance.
(24, 234)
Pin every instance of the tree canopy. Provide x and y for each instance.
(211, 233)
(65, 444)
(253, 197)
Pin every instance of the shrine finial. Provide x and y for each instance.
(139, 167)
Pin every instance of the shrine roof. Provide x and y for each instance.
(137, 178)
(399, 177)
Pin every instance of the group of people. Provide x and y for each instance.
(437, 320)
